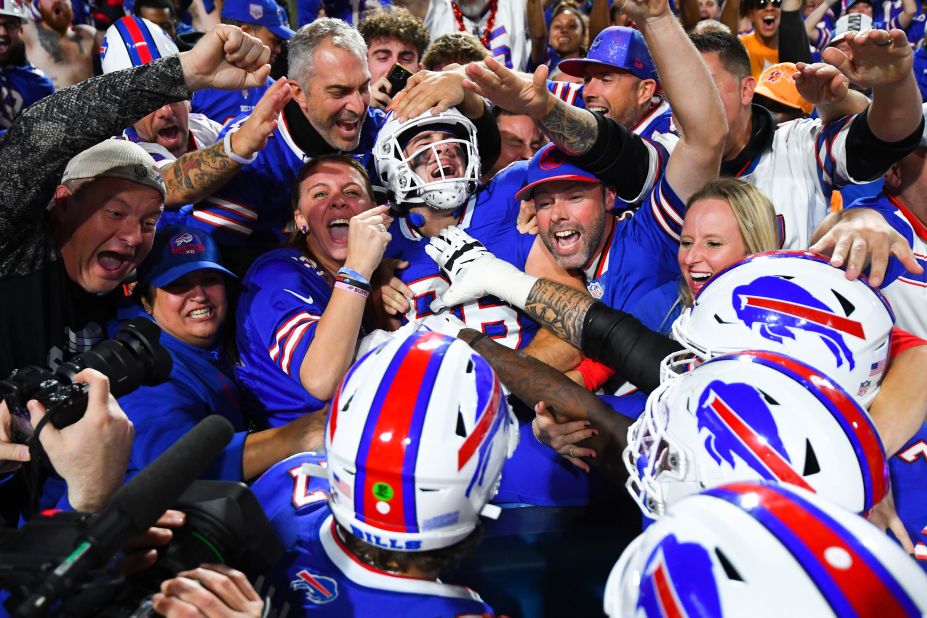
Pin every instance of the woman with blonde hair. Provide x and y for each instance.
(726, 220)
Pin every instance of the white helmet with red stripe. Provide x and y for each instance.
(132, 42)
(415, 441)
(763, 549)
(794, 303)
(751, 416)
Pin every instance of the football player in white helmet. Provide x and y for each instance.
(415, 442)
(754, 549)
(752, 416)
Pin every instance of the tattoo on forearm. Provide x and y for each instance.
(560, 308)
(574, 130)
(198, 174)
(51, 43)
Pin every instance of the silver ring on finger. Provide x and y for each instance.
(571, 452)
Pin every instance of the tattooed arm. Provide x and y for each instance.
(532, 381)
(198, 174)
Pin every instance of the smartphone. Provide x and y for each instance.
(398, 76)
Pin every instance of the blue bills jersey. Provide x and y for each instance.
(20, 87)
(489, 216)
(284, 295)
(640, 253)
(318, 576)
(254, 207)
(908, 469)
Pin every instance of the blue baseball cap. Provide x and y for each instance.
(550, 164)
(618, 47)
(178, 251)
(265, 13)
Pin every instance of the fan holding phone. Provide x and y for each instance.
(384, 89)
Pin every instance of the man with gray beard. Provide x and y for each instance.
(329, 113)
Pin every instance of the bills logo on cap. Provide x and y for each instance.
(782, 308)
(552, 158)
(677, 581)
(318, 588)
(256, 11)
(186, 243)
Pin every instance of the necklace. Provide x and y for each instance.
(490, 22)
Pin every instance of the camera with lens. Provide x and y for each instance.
(133, 358)
(225, 524)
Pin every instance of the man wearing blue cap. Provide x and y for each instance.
(263, 19)
(621, 82)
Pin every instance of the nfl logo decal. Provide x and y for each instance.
(595, 288)
(317, 588)
(256, 11)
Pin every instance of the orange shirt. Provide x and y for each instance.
(760, 55)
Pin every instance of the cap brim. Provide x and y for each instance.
(526, 192)
(282, 32)
(577, 66)
(173, 274)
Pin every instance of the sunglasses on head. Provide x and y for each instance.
(761, 4)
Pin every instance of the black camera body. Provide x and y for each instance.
(225, 524)
(134, 357)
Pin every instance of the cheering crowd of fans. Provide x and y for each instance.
(438, 259)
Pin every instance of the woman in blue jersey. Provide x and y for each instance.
(302, 307)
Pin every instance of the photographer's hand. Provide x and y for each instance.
(213, 590)
(11, 453)
(92, 454)
(140, 552)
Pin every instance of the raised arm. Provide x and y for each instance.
(198, 174)
(537, 31)
(691, 93)
(532, 381)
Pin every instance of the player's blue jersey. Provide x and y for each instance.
(908, 468)
(640, 253)
(317, 575)
(659, 308)
(224, 105)
(489, 216)
(20, 87)
(254, 207)
(284, 296)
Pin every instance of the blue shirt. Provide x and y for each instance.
(319, 577)
(254, 207)
(20, 87)
(908, 469)
(285, 294)
(200, 384)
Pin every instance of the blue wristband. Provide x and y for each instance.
(353, 274)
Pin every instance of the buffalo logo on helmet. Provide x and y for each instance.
(318, 588)
(781, 308)
(186, 243)
(677, 581)
(740, 423)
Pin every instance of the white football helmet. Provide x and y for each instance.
(14, 8)
(415, 441)
(441, 189)
(797, 304)
(132, 42)
(764, 550)
(751, 416)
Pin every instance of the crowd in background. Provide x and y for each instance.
(431, 258)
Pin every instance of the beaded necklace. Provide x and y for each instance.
(490, 22)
